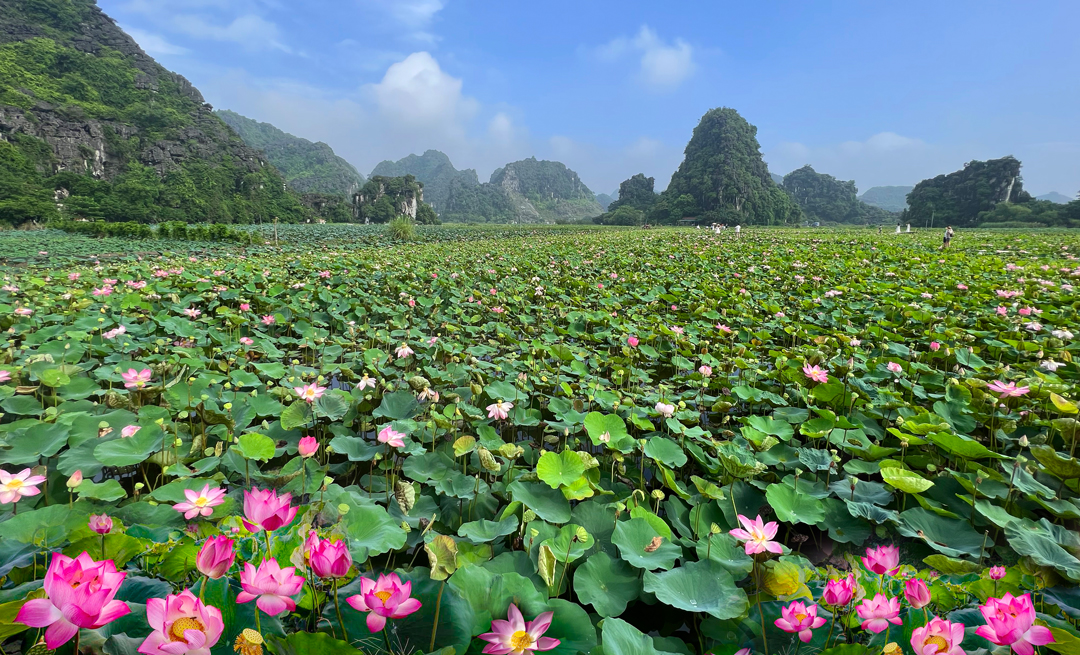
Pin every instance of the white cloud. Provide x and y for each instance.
(414, 16)
(154, 45)
(417, 94)
(883, 159)
(251, 31)
(415, 107)
(663, 67)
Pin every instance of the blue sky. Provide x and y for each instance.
(882, 93)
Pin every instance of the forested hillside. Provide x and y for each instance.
(889, 198)
(94, 128)
(824, 198)
(308, 167)
(723, 178)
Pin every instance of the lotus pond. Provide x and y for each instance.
(610, 442)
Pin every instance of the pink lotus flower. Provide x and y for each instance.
(310, 392)
(815, 373)
(129, 431)
(917, 593)
(115, 332)
(706, 371)
(1010, 621)
(877, 613)
(797, 617)
(23, 311)
(1002, 311)
(216, 557)
(883, 559)
(1009, 390)
(633, 342)
(935, 346)
(74, 276)
(757, 535)
(723, 328)
(403, 351)
(939, 637)
(308, 446)
(997, 572)
(386, 598)
(365, 383)
(182, 625)
(246, 341)
(265, 510)
(839, 593)
(894, 367)
(136, 379)
(5, 376)
(664, 409)
(200, 503)
(328, 559)
(389, 435)
(192, 312)
(14, 488)
(272, 585)
(499, 410)
(101, 524)
(268, 319)
(80, 595)
(515, 636)
(245, 307)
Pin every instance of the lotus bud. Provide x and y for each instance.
(75, 480)
(1024, 443)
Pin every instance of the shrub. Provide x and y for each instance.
(402, 229)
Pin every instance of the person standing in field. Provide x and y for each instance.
(948, 238)
(898, 228)
(738, 228)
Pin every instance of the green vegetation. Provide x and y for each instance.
(383, 199)
(605, 200)
(889, 198)
(437, 173)
(171, 230)
(147, 149)
(636, 200)
(723, 179)
(675, 442)
(959, 198)
(826, 199)
(402, 228)
(308, 167)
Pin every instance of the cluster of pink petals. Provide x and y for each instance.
(80, 595)
(200, 503)
(883, 559)
(136, 379)
(839, 593)
(878, 612)
(310, 392)
(757, 535)
(1010, 621)
(270, 586)
(385, 598)
(499, 410)
(265, 510)
(216, 557)
(388, 435)
(182, 624)
(515, 636)
(815, 373)
(797, 617)
(1007, 390)
(939, 637)
(14, 488)
(328, 559)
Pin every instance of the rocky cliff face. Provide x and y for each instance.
(141, 116)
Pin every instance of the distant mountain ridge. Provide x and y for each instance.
(435, 170)
(890, 198)
(825, 198)
(526, 191)
(308, 167)
(1054, 196)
